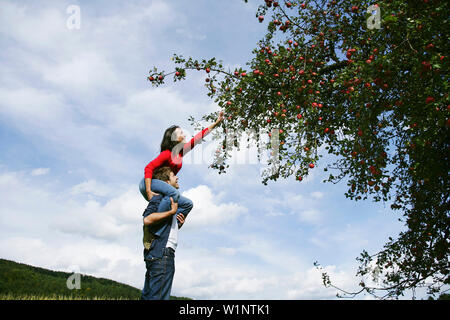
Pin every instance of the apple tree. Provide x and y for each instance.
(361, 89)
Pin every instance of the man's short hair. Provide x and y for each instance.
(162, 173)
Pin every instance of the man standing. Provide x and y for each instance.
(161, 224)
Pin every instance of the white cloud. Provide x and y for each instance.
(147, 113)
(312, 216)
(39, 113)
(32, 27)
(308, 283)
(216, 274)
(86, 71)
(208, 211)
(32, 108)
(116, 218)
(227, 251)
(317, 194)
(197, 36)
(28, 208)
(40, 171)
(91, 187)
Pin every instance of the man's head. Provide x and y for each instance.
(166, 174)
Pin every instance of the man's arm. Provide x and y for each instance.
(156, 217)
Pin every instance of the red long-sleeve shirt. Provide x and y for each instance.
(176, 161)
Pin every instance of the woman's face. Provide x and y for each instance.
(179, 135)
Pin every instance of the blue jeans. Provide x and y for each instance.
(160, 187)
(159, 276)
(184, 204)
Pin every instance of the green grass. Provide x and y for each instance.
(53, 297)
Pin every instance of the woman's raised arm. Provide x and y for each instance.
(199, 136)
(219, 120)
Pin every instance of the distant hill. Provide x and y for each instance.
(21, 281)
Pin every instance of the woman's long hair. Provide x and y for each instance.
(167, 143)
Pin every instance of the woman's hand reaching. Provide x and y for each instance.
(219, 120)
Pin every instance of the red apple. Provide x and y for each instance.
(429, 100)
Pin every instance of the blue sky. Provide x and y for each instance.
(79, 122)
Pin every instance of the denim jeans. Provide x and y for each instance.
(184, 204)
(159, 276)
(160, 187)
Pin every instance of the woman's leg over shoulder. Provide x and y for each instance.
(185, 205)
(166, 189)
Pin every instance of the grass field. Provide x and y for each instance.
(54, 297)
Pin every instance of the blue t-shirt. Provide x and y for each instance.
(161, 230)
